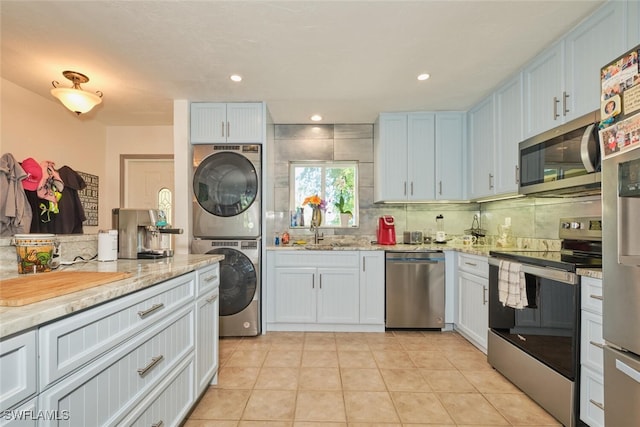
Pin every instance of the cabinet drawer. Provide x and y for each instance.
(18, 367)
(208, 278)
(106, 390)
(592, 294)
(74, 341)
(474, 264)
(591, 398)
(591, 353)
(170, 401)
(317, 259)
(25, 415)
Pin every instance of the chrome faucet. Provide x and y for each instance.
(316, 236)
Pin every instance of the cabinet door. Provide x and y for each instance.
(338, 295)
(591, 45)
(295, 295)
(18, 368)
(390, 146)
(244, 122)
(421, 162)
(372, 287)
(473, 310)
(207, 332)
(208, 122)
(450, 171)
(508, 135)
(543, 91)
(480, 143)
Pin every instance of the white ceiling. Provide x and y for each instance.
(347, 60)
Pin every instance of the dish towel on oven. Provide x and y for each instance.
(512, 287)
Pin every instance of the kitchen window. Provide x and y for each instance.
(334, 182)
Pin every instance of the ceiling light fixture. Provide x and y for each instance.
(236, 78)
(74, 98)
(316, 117)
(423, 76)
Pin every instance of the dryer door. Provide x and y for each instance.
(238, 281)
(225, 184)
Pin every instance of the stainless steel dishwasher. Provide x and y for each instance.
(414, 290)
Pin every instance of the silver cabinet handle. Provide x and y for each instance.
(405, 188)
(556, 101)
(490, 181)
(597, 344)
(472, 264)
(517, 174)
(598, 404)
(313, 281)
(154, 361)
(148, 311)
(321, 281)
(364, 264)
(210, 278)
(228, 130)
(565, 110)
(222, 129)
(440, 190)
(158, 424)
(598, 297)
(211, 299)
(484, 295)
(412, 188)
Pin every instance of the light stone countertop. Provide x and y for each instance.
(474, 250)
(144, 273)
(595, 273)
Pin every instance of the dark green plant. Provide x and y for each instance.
(341, 206)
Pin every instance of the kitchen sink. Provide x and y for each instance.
(318, 246)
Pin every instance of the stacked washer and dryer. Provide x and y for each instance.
(227, 220)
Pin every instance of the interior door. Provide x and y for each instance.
(143, 179)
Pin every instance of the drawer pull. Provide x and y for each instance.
(210, 278)
(148, 311)
(594, 296)
(154, 361)
(212, 298)
(158, 424)
(484, 295)
(598, 404)
(472, 264)
(597, 344)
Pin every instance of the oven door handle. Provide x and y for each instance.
(544, 272)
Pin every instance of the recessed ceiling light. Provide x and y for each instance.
(423, 76)
(236, 78)
(316, 117)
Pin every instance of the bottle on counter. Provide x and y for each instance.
(285, 238)
(276, 240)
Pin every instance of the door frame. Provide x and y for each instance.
(124, 158)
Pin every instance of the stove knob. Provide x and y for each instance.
(566, 225)
(575, 225)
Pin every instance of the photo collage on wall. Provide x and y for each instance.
(620, 104)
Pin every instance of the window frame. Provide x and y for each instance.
(325, 164)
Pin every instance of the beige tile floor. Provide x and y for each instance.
(298, 379)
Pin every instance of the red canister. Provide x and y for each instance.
(386, 230)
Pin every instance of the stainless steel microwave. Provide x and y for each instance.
(564, 161)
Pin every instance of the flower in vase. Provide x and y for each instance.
(315, 202)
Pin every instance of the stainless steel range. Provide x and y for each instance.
(534, 316)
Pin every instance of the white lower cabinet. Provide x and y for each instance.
(591, 353)
(473, 299)
(325, 290)
(140, 359)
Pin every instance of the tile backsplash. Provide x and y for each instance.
(530, 217)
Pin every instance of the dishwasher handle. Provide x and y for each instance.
(413, 257)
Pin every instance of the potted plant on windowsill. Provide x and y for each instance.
(345, 214)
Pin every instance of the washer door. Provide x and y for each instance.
(225, 184)
(238, 281)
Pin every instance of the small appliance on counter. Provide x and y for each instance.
(107, 245)
(386, 230)
(441, 236)
(140, 233)
(412, 238)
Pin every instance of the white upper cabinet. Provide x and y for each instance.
(481, 143)
(232, 123)
(563, 82)
(450, 158)
(590, 46)
(418, 156)
(508, 100)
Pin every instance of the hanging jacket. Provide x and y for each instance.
(70, 211)
(15, 211)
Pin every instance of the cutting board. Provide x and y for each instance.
(32, 288)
